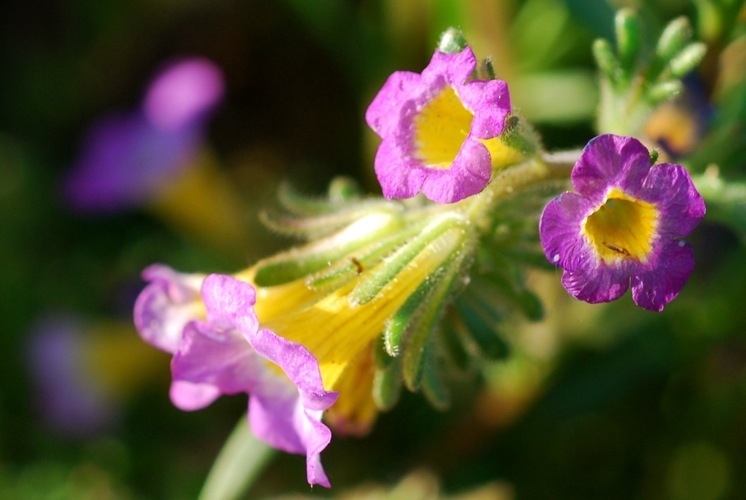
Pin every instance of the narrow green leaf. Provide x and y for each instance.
(673, 39)
(627, 26)
(687, 60)
(433, 386)
(421, 330)
(482, 331)
(607, 61)
(664, 91)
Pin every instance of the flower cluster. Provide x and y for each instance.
(329, 331)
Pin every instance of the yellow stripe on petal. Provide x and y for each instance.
(623, 227)
(441, 127)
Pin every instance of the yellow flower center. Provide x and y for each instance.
(622, 228)
(440, 129)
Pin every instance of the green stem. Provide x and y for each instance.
(512, 180)
(238, 464)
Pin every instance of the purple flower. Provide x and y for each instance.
(70, 398)
(229, 353)
(439, 129)
(129, 157)
(623, 226)
(85, 371)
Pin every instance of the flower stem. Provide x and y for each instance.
(238, 464)
(536, 170)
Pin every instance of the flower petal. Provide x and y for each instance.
(166, 305)
(610, 161)
(398, 174)
(671, 189)
(455, 69)
(596, 284)
(211, 362)
(383, 114)
(468, 175)
(559, 230)
(280, 419)
(654, 289)
(490, 102)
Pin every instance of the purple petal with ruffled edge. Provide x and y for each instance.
(671, 189)
(469, 173)
(490, 102)
(610, 161)
(654, 289)
(596, 284)
(166, 305)
(563, 244)
(231, 354)
(614, 162)
(392, 115)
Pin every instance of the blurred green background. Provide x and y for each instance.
(596, 402)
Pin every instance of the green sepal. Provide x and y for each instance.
(345, 270)
(627, 27)
(386, 272)
(452, 344)
(519, 135)
(653, 156)
(344, 189)
(433, 386)
(387, 379)
(452, 41)
(419, 334)
(401, 323)
(485, 69)
(310, 258)
(314, 218)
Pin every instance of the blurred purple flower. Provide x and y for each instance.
(127, 158)
(69, 399)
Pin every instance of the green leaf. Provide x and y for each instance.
(673, 39)
(687, 60)
(627, 26)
